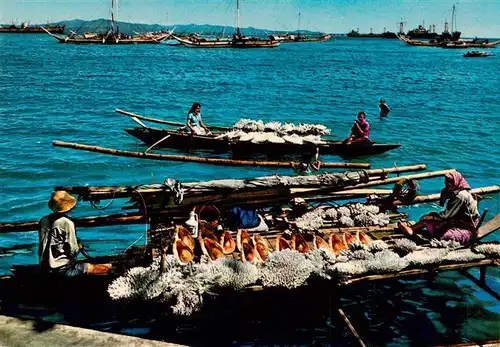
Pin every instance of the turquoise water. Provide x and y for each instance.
(444, 112)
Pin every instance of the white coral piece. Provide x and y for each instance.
(491, 250)
(331, 213)
(321, 261)
(450, 244)
(377, 246)
(344, 211)
(405, 245)
(294, 138)
(311, 220)
(272, 126)
(463, 255)
(429, 256)
(385, 262)
(350, 269)
(287, 268)
(346, 221)
(229, 272)
(361, 254)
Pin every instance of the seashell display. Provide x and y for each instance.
(319, 243)
(363, 238)
(182, 252)
(294, 138)
(211, 249)
(242, 237)
(260, 246)
(347, 239)
(336, 243)
(227, 243)
(282, 243)
(248, 254)
(183, 235)
(299, 244)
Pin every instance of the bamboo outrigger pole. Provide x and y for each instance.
(214, 161)
(159, 121)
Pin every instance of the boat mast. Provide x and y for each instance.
(298, 27)
(238, 18)
(453, 20)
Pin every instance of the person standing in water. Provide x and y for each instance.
(384, 109)
(194, 122)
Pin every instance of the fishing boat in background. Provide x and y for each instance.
(421, 33)
(476, 54)
(237, 41)
(112, 36)
(25, 28)
(300, 37)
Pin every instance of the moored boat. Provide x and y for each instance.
(476, 54)
(181, 140)
(25, 28)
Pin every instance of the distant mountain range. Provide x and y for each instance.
(102, 25)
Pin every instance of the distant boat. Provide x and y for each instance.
(421, 33)
(113, 35)
(299, 37)
(25, 28)
(384, 35)
(449, 40)
(476, 54)
(237, 41)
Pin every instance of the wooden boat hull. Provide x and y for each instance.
(449, 45)
(109, 40)
(185, 141)
(243, 43)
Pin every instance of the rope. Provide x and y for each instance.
(146, 224)
(93, 204)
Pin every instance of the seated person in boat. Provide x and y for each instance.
(58, 247)
(194, 122)
(458, 221)
(384, 109)
(360, 131)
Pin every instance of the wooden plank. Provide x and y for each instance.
(480, 282)
(490, 227)
(435, 197)
(213, 161)
(351, 327)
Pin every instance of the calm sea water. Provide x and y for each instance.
(444, 112)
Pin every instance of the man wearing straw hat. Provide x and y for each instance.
(58, 247)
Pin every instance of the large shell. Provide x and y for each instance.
(319, 243)
(212, 249)
(299, 244)
(182, 252)
(282, 243)
(182, 234)
(261, 247)
(347, 238)
(227, 242)
(336, 243)
(248, 254)
(241, 238)
(363, 238)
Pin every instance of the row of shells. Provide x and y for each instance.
(255, 248)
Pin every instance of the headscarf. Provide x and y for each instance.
(458, 183)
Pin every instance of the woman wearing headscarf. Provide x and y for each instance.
(460, 218)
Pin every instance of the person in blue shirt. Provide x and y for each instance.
(194, 122)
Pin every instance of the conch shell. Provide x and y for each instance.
(336, 244)
(363, 238)
(299, 244)
(182, 252)
(227, 242)
(261, 247)
(248, 254)
(182, 234)
(282, 243)
(241, 238)
(347, 238)
(319, 243)
(208, 234)
(211, 248)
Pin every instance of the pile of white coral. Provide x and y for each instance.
(183, 286)
(249, 125)
(346, 216)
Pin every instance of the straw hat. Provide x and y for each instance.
(61, 201)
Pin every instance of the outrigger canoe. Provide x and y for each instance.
(165, 138)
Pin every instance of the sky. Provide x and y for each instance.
(474, 17)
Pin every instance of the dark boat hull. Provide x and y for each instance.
(185, 141)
